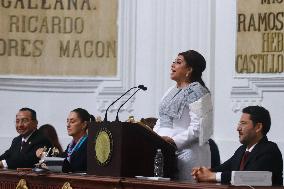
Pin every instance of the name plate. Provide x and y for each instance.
(251, 178)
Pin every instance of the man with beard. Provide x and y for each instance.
(256, 153)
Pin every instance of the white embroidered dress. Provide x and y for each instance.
(185, 115)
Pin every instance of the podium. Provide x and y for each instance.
(125, 149)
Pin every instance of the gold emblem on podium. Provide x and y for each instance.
(66, 185)
(103, 146)
(22, 184)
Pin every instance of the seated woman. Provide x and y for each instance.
(49, 131)
(76, 152)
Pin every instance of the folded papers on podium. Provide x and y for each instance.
(152, 178)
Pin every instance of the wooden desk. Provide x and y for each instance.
(10, 179)
(131, 183)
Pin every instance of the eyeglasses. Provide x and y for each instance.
(23, 121)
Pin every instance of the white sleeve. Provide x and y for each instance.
(157, 126)
(204, 110)
(5, 165)
(163, 131)
(200, 124)
(190, 134)
(218, 176)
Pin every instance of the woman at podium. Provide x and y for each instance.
(185, 114)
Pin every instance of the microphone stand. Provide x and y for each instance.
(116, 118)
(105, 119)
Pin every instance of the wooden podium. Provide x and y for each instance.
(126, 149)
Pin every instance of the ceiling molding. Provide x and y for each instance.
(250, 92)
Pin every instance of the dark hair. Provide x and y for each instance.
(259, 114)
(84, 115)
(198, 64)
(33, 113)
(49, 132)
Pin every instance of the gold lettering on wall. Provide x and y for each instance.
(58, 37)
(260, 37)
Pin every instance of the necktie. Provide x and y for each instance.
(23, 145)
(243, 161)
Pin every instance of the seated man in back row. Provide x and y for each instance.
(261, 154)
(22, 153)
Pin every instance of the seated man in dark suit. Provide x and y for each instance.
(22, 153)
(262, 155)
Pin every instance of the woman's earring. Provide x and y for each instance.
(187, 75)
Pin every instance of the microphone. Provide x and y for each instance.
(142, 87)
(105, 119)
(139, 88)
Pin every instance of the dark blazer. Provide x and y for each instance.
(78, 160)
(265, 156)
(215, 155)
(25, 158)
